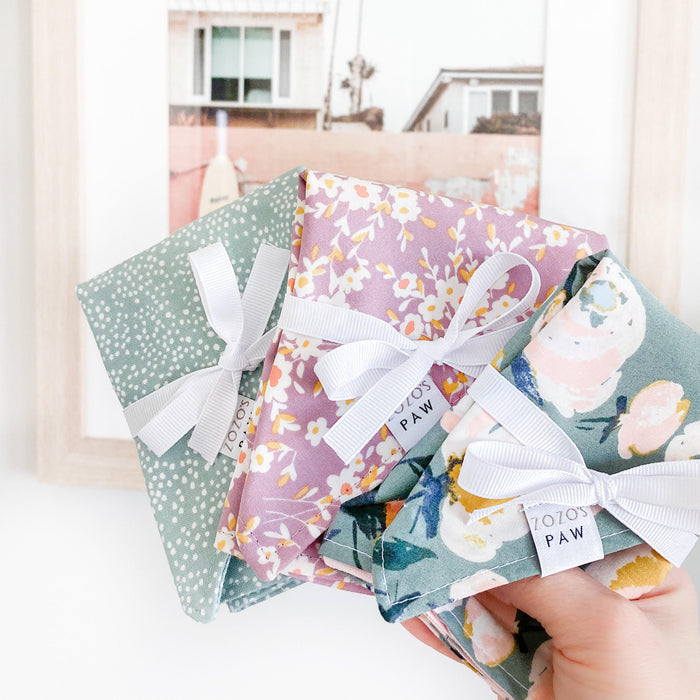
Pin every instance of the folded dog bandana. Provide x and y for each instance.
(612, 372)
(152, 329)
(403, 259)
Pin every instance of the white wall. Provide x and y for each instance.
(125, 159)
(451, 101)
(88, 608)
(690, 280)
(588, 102)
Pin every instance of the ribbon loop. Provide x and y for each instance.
(376, 362)
(207, 398)
(659, 502)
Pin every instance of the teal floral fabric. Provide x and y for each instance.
(151, 329)
(615, 370)
(360, 521)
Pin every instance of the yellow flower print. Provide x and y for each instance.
(243, 532)
(556, 235)
(261, 459)
(405, 205)
(527, 225)
(315, 430)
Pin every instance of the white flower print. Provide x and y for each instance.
(412, 325)
(449, 291)
(343, 485)
(406, 285)
(309, 268)
(261, 459)
(351, 281)
(359, 194)
(304, 347)
(304, 284)
(480, 540)
(342, 407)
(556, 235)
(268, 555)
(302, 566)
(482, 580)
(405, 206)
(502, 305)
(326, 182)
(315, 430)
(388, 449)
(336, 299)
(527, 225)
(431, 308)
(279, 381)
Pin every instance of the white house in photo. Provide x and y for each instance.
(457, 98)
(261, 60)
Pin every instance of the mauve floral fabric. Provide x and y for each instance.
(405, 257)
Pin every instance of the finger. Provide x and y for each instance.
(503, 612)
(672, 606)
(570, 605)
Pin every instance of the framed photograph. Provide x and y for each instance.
(257, 88)
(140, 127)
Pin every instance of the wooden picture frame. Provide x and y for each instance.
(65, 454)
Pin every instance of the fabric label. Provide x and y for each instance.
(236, 434)
(418, 413)
(564, 536)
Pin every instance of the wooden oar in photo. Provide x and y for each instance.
(220, 184)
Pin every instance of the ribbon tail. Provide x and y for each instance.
(354, 429)
(216, 416)
(473, 357)
(674, 544)
(352, 370)
(255, 354)
(266, 276)
(160, 419)
(520, 417)
(218, 289)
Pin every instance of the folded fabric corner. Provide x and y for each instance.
(152, 329)
(614, 373)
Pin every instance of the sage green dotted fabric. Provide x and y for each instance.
(151, 329)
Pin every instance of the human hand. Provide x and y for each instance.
(605, 646)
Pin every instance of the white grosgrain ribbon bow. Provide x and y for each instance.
(660, 502)
(207, 398)
(381, 365)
